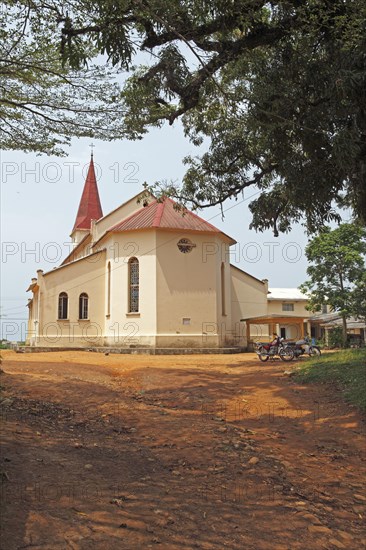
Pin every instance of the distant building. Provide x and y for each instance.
(322, 323)
(288, 301)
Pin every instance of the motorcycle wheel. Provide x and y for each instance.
(314, 350)
(263, 357)
(286, 354)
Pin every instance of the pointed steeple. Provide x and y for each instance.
(89, 207)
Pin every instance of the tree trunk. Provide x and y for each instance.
(344, 330)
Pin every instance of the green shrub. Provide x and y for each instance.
(335, 337)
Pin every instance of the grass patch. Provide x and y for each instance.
(346, 369)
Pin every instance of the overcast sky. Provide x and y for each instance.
(40, 196)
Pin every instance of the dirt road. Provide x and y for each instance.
(176, 452)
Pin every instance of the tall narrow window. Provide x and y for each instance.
(63, 301)
(83, 306)
(223, 301)
(109, 288)
(134, 285)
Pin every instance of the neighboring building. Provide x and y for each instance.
(322, 323)
(288, 302)
(144, 275)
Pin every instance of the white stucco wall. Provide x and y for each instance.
(124, 329)
(188, 291)
(291, 330)
(86, 275)
(248, 299)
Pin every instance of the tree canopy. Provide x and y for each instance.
(275, 91)
(44, 103)
(337, 271)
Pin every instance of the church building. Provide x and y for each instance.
(146, 275)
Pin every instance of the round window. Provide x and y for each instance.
(185, 245)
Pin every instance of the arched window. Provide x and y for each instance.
(134, 285)
(63, 302)
(223, 300)
(109, 288)
(83, 306)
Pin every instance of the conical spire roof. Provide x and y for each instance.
(89, 207)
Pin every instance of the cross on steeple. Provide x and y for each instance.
(92, 147)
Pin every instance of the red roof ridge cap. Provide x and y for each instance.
(159, 213)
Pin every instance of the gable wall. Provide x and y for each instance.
(84, 276)
(116, 216)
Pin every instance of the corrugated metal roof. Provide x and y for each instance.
(350, 324)
(164, 215)
(73, 262)
(264, 319)
(286, 294)
(325, 317)
(335, 319)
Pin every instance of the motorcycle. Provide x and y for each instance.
(271, 351)
(302, 347)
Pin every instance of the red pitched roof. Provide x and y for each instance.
(164, 215)
(89, 207)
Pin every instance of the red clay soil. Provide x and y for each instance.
(176, 452)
